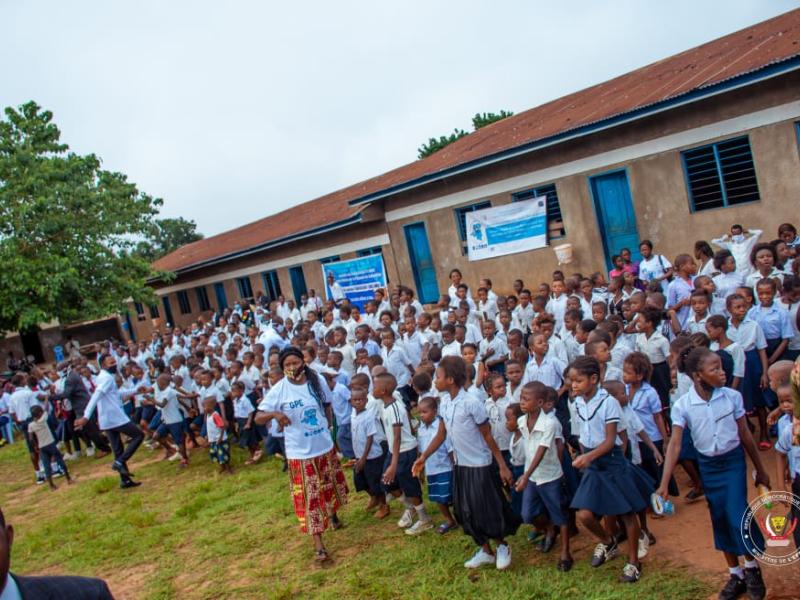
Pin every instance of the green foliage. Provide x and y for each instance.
(433, 145)
(167, 235)
(67, 228)
(484, 119)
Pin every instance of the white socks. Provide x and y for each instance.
(750, 564)
(738, 571)
(422, 514)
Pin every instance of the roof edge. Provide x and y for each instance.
(265, 246)
(768, 71)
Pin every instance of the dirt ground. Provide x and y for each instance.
(685, 539)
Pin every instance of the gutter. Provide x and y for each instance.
(764, 73)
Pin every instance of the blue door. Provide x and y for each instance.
(222, 300)
(615, 216)
(419, 251)
(298, 280)
(168, 311)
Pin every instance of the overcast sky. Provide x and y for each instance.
(230, 111)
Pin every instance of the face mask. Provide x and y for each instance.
(290, 373)
(112, 369)
(738, 238)
(279, 328)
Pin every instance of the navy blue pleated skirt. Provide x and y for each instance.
(611, 485)
(751, 382)
(688, 451)
(725, 486)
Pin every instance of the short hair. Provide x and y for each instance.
(718, 322)
(387, 379)
(652, 315)
(591, 347)
(599, 335)
(647, 243)
(587, 325)
(537, 388)
(429, 402)
(421, 381)
(586, 365)
(787, 228)
(455, 368)
(640, 364)
(359, 380)
(766, 281)
(763, 246)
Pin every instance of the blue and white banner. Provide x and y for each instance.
(507, 229)
(357, 279)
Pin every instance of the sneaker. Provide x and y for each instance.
(419, 527)
(406, 520)
(130, 483)
(603, 553)
(503, 558)
(479, 559)
(644, 546)
(756, 590)
(40, 479)
(630, 573)
(735, 587)
(175, 456)
(120, 468)
(90, 451)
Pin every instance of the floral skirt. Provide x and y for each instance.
(318, 490)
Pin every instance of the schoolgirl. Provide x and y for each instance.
(479, 501)
(716, 417)
(749, 335)
(609, 484)
(651, 342)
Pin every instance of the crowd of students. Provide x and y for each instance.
(564, 404)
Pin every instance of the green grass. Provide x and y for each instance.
(197, 534)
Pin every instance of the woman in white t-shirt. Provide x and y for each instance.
(654, 267)
(301, 404)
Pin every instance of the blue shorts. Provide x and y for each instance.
(174, 429)
(155, 421)
(440, 488)
(545, 500)
(148, 412)
(403, 479)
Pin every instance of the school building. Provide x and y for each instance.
(673, 152)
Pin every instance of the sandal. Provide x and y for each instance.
(694, 495)
(321, 556)
(445, 527)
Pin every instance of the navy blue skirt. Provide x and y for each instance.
(611, 485)
(751, 382)
(688, 451)
(725, 486)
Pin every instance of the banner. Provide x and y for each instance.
(357, 279)
(507, 229)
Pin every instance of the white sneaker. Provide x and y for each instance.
(644, 545)
(420, 527)
(69, 456)
(175, 456)
(503, 559)
(90, 451)
(406, 520)
(479, 559)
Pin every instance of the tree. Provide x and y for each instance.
(433, 145)
(67, 228)
(167, 235)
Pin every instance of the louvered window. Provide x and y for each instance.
(721, 174)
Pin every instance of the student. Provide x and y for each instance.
(45, 444)
(542, 367)
(788, 452)
(368, 468)
(654, 267)
(598, 349)
(557, 305)
(341, 411)
(166, 399)
(729, 278)
(219, 449)
(496, 405)
(397, 363)
(680, 289)
(479, 501)
(542, 483)
(655, 346)
(244, 413)
(763, 258)
(716, 329)
(749, 335)
(716, 417)
(516, 449)
(609, 484)
(644, 401)
(514, 374)
(439, 465)
(699, 301)
(397, 478)
(493, 351)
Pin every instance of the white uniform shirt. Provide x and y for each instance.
(395, 416)
(656, 347)
(550, 372)
(741, 250)
(594, 415)
(653, 267)
(462, 416)
(543, 434)
(362, 427)
(646, 404)
(167, 401)
(737, 354)
(496, 411)
(748, 334)
(713, 424)
(439, 462)
(397, 363)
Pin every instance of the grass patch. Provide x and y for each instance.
(195, 534)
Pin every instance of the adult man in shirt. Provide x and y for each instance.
(740, 243)
(75, 391)
(16, 587)
(113, 420)
(335, 290)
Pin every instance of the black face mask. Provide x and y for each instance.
(112, 369)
